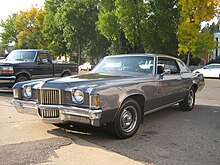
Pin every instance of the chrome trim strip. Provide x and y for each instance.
(7, 79)
(159, 108)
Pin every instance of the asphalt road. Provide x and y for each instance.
(169, 136)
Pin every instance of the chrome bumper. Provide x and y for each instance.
(7, 79)
(59, 113)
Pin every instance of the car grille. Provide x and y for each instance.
(49, 96)
(49, 113)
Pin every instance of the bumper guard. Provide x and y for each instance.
(58, 113)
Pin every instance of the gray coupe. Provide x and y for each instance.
(118, 92)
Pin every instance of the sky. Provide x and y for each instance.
(7, 7)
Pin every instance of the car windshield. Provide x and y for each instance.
(20, 55)
(126, 65)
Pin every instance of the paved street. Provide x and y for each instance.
(166, 137)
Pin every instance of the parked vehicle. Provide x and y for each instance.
(23, 65)
(86, 66)
(211, 70)
(117, 93)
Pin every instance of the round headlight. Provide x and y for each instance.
(27, 91)
(78, 96)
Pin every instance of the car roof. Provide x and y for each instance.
(38, 50)
(214, 64)
(138, 55)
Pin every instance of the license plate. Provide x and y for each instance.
(79, 119)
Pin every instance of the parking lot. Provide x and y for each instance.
(169, 136)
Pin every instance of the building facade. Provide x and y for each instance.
(216, 52)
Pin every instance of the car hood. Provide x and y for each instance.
(9, 63)
(89, 80)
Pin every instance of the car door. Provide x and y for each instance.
(170, 85)
(207, 71)
(44, 67)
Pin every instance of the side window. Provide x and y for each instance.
(209, 67)
(43, 57)
(217, 66)
(170, 65)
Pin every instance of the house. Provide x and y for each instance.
(216, 52)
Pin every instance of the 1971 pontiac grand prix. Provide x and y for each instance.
(118, 92)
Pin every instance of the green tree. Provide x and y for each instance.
(191, 41)
(53, 34)
(139, 25)
(77, 19)
(28, 25)
(9, 33)
(109, 26)
(161, 27)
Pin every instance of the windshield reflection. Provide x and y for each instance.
(125, 65)
(19, 55)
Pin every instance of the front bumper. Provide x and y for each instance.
(7, 81)
(58, 113)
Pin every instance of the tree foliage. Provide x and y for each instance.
(148, 26)
(9, 33)
(53, 34)
(28, 25)
(95, 27)
(193, 13)
(77, 19)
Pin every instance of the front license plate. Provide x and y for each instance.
(79, 119)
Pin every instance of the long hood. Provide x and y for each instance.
(90, 79)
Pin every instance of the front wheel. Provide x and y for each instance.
(127, 121)
(188, 103)
(21, 78)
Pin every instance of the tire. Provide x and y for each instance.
(65, 74)
(127, 120)
(188, 103)
(21, 78)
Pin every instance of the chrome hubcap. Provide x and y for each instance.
(191, 98)
(128, 119)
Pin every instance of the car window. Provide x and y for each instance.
(170, 65)
(217, 66)
(43, 57)
(209, 67)
(137, 64)
(19, 55)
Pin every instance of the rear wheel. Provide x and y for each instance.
(127, 121)
(188, 103)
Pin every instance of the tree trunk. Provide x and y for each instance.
(79, 55)
(188, 58)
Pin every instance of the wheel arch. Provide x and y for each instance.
(26, 74)
(65, 71)
(140, 99)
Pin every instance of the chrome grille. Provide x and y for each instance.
(49, 113)
(49, 96)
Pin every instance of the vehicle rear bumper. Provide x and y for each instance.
(58, 113)
(7, 81)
